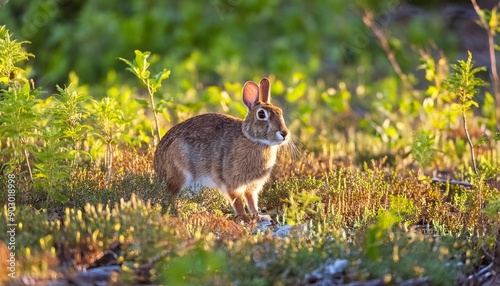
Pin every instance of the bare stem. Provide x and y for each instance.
(26, 155)
(156, 133)
(471, 146)
(4, 3)
(109, 162)
(494, 73)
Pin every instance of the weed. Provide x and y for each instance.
(298, 206)
(464, 84)
(140, 69)
(109, 124)
(18, 126)
(423, 150)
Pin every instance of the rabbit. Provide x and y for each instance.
(224, 152)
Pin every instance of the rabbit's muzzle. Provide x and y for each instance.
(283, 134)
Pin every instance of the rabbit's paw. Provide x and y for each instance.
(266, 218)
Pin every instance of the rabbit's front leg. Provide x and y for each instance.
(252, 199)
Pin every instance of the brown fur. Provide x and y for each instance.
(220, 151)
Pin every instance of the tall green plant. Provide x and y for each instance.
(377, 234)
(464, 83)
(18, 114)
(109, 122)
(19, 121)
(53, 167)
(422, 148)
(33, 131)
(68, 113)
(60, 140)
(298, 205)
(139, 67)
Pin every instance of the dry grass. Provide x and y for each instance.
(154, 230)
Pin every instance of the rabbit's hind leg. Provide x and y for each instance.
(175, 180)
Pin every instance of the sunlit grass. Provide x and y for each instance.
(438, 233)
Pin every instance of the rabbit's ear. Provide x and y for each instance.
(250, 94)
(265, 90)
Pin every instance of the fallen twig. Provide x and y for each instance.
(452, 182)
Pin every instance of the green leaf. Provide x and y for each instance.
(164, 74)
(140, 65)
(493, 23)
(141, 61)
(158, 78)
(131, 69)
(134, 70)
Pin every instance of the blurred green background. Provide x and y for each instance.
(230, 40)
(328, 70)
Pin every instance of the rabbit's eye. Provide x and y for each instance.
(261, 114)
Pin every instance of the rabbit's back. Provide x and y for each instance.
(203, 131)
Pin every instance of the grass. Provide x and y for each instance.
(389, 225)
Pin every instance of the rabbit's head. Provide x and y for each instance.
(264, 122)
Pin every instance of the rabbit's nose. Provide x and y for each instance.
(284, 134)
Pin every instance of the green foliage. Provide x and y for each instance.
(338, 100)
(298, 206)
(492, 208)
(228, 35)
(187, 251)
(110, 125)
(54, 164)
(377, 233)
(109, 119)
(401, 256)
(140, 69)
(137, 226)
(204, 201)
(19, 120)
(199, 266)
(11, 53)
(491, 18)
(437, 105)
(464, 82)
(68, 112)
(403, 207)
